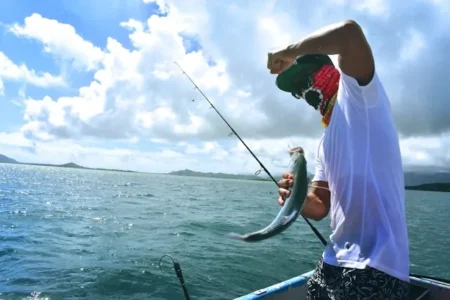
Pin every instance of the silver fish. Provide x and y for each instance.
(292, 206)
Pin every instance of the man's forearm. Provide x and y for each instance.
(330, 40)
(314, 208)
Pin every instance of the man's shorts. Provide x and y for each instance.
(338, 283)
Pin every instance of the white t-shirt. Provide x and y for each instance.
(359, 156)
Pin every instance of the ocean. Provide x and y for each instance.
(82, 234)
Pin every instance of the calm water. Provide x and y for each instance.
(78, 234)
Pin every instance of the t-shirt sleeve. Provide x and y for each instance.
(319, 173)
(362, 96)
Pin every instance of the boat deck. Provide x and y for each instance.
(422, 288)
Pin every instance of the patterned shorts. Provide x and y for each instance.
(338, 283)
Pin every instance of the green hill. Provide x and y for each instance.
(432, 187)
(7, 160)
(426, 180)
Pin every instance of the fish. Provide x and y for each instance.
(292, 205)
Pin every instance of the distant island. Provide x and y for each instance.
(188, 172)
(431, 187)
(435, 187)
(410, 176)
(7, 160)
(414, 180)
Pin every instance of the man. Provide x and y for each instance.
(358, 169)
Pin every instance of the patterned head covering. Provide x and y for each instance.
(314, 78)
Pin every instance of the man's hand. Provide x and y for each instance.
(317, 202)
(284, 189)
(278, 61)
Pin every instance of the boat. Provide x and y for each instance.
(421, 287)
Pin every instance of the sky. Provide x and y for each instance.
(95, 83)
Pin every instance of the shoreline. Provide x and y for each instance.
(428, 187)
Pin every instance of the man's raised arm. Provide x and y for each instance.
(345, 39)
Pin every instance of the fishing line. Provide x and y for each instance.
(251, 152)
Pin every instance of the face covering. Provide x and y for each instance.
(322, 91)
(315, 79)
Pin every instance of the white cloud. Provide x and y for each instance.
(229, 157)
(375, 7)
(60, 40)
(379, 8)
(14, 140)
(133, 90)
(16, 146)
(212, 149)
(413, 46)
(10, 71)
(426, 151)
(208, 156)
(139, 94)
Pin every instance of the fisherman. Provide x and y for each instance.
(358, 176)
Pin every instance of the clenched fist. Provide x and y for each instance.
(278, 61)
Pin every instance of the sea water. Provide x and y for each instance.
(82, 234)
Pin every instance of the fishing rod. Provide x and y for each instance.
(251, 152)
(177, 269)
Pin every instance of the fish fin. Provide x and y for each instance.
(290, 217)
(236, 236)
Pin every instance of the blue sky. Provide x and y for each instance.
(91, 21)
(95, 83)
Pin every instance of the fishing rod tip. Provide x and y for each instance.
(168, 255)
